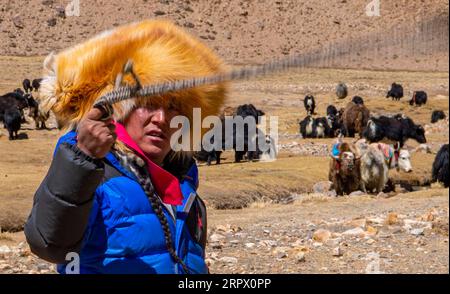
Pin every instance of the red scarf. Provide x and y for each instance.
(167, 186)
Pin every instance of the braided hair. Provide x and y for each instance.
(137, 166)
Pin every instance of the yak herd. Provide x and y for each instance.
(250, 148)
(364, 165)
(14, 104)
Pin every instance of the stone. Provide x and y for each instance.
(221, 228)
(359, 223)
(5, 249)
(228, 259)
(216, 238)
(370, 241)
(428, 217)
(43, 266)
(250, 245)
(354, 232)
(371, 231)
(51, 22)
(337, 251)
(17, 21)
(301, 249)
(213, 255)
(375, 221)
(241, 235)
(260, 25)
(384, 235)
(288, 199)
(311, 226)
(297, 243)
(281, 254)
(417, 232)
(321, 235)
(234, 228)
(409, 224)
(391, 219)
(300, 257)
(268, 243)
(4, 267)
(322, 187)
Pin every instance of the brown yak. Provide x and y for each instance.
(345, 169)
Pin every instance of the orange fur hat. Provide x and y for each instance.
(75, 78)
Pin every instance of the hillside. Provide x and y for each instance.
(238, 30)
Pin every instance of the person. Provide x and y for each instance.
(116, 193)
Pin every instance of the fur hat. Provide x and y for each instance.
(75, 78)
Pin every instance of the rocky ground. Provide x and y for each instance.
(18, 259)
(376, 240)
(386, 236)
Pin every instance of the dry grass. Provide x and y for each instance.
(236, 185)
(6, 237)
(17, 69)
(312, 198)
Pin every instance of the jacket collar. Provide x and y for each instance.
(167, 186)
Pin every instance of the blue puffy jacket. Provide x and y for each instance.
(120, 232)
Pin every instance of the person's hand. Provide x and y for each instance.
(95, 136)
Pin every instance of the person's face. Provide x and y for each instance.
(150, 129)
